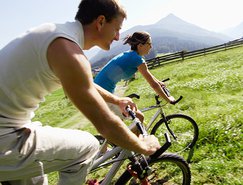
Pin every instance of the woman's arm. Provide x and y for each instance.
(153, 82)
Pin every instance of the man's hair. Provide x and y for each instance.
(136, 38)
(89, 10)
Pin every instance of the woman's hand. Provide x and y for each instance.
(171, 99)
(162, 84)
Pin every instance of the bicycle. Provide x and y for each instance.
(182, 128)
(158, 168)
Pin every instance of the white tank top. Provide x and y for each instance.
(25, 76)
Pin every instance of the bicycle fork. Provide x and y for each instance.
(167, 126)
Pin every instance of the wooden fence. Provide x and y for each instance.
(178, 56)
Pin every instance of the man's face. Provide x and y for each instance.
(110, 31)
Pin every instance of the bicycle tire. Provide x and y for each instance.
(166, 169)
(184, 127)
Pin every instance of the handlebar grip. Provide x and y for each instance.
(175, 102)
(131, 113)
(162, 148)
(134, 95)
(167, 79)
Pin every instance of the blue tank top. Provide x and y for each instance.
(121, 67)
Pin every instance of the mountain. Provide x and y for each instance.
(170, 34)
(235, 32)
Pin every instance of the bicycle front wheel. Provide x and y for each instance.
(183, 131)
(166, 169)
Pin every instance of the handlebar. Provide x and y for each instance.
(144, 132)
(138, 123)
(131, 113)
(166, 91)
(134, 95)
(167, 79)
(162, 148)
(173, 103)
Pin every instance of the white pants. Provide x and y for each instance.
(36, 150)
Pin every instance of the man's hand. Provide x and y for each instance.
(151, 142)
(124, 102)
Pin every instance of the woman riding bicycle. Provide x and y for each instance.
(126, 64)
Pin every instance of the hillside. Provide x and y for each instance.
(170, 34)
(212, 89)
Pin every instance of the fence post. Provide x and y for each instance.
(182, 54)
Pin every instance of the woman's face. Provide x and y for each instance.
(144, 49)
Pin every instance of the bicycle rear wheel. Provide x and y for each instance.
(166, 169)
(184, 128)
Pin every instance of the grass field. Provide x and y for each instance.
(212, 87)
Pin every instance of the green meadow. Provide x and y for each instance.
(212, 90)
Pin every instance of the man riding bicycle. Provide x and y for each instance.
(39, 62)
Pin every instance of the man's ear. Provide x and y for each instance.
(100, 22)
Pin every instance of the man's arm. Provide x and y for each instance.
(70, 65)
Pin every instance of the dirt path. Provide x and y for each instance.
(120, 89)
(79, 121)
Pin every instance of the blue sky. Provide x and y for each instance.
(17, 16)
